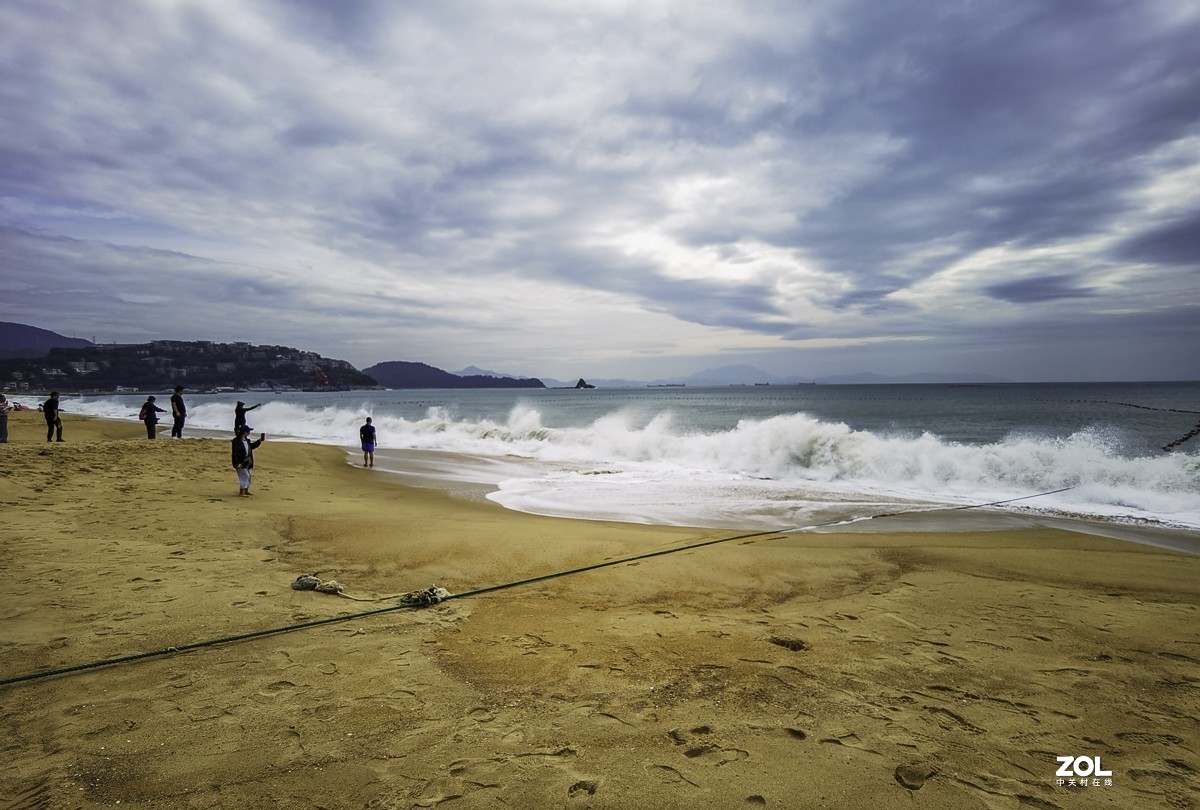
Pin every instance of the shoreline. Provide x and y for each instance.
(528, 482)
(436, 470)
(835, 668)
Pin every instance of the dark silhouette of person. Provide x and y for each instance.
(366, 434)
(239, 414)
(149, 416)
(53, 414)
(178, 413)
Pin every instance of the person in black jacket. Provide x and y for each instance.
(239, 414)
(243, 456)
(4, 408)
(149, 415)
(178, 413)
(53, 413)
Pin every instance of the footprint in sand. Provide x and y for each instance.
(681, 737)
(793, 644)
(952, 720)
(585, 787)
(715, 755)
(480, 772)
(850, 740)
(1149, 739)
(277, 688)
(914, 776)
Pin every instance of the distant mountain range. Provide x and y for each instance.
(19, 341)
(406, 374)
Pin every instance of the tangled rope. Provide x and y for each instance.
(312, 582)
(429, 596)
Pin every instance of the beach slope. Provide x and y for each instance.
(803, 670)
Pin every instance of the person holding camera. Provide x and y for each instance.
(243, 457)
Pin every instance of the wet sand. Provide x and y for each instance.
(921, 668)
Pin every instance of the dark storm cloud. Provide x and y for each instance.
(1042, 288)
(853, 170)
(1171, 330)
(1020, 127)
(1176, 243)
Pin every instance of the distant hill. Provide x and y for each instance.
(406, 374)
(19, 340)
(476, 371)
(199, 365)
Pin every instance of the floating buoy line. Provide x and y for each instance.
(1169, 446)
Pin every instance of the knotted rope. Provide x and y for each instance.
(311, 582)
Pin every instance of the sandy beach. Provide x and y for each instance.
(911, 669)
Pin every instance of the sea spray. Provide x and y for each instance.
(696, 457)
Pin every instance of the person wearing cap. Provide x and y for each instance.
(243, 456)
(149, 416)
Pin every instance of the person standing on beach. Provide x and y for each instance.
(366, 435)
(239, 414)
(178, 413)
(53, 415)
(149, 415)
(4, 406)
(243, 456)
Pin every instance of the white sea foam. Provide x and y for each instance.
(781, 471)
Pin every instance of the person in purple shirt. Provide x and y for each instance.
(366, 434)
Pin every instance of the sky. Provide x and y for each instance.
(613, 189)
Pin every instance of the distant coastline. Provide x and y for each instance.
(35, 359)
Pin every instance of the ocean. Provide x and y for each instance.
(772, 457)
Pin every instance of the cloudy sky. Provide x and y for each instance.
(607, 188)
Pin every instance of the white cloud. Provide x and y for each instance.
(493, 181)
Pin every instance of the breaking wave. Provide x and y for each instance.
(771, 471)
